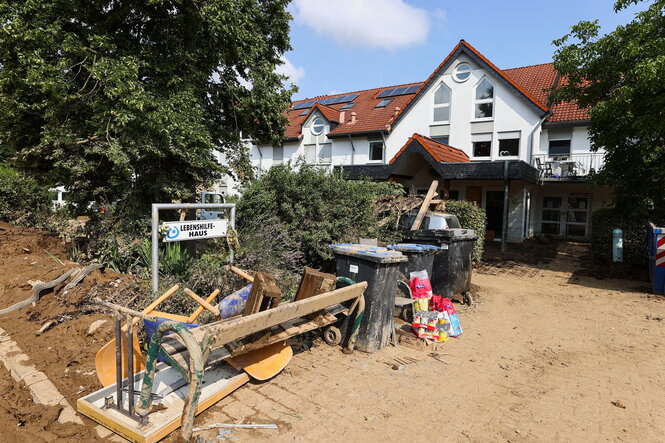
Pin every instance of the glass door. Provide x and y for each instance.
(577, 216)
(566, 217)
(552, 215)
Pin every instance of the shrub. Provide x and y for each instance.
(315, 207)
(22, 200)
(470, 217)
(634, 227)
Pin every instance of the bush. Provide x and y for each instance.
(634, 227)
(470, 217)
(315, 207)
(22, 200)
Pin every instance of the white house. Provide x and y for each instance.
(478, 129)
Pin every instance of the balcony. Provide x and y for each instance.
(567, 167)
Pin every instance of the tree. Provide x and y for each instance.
(620, 77)
(130, 98)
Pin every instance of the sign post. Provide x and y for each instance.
(188, 230)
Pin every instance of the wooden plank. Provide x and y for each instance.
(264, 294)
(218, 384)
(200, 301)
(314, 282)
(425, 206)
(225, 332)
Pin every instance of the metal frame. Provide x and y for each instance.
(156, 207)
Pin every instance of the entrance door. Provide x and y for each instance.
(566, 217)
(494, 210)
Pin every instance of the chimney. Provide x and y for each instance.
(342, 117)
(397, 109)
(353, 117)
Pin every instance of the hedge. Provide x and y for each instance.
(22, 200)
(470, 217)
(634, 228)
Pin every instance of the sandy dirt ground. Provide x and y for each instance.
(546, 351)
(543, 356)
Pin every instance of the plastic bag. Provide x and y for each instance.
(420, 285)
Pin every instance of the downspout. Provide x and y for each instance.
(506, 201)
(353, 149)
(258, 148)
(385, 147)
(533, 132)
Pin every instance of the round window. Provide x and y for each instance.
(462, 72)
(317, 126)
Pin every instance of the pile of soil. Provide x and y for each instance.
(65, 352)
(21, 419)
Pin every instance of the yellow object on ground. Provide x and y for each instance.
(264, 363)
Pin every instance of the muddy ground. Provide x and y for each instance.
(548, 353)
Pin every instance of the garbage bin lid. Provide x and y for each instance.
(412, 247)
(370, 253)
(441, 234)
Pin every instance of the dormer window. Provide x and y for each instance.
(383, 103)
(317, 126)
(347, 106)
(442, 104)
(484, 102)
(462, 72)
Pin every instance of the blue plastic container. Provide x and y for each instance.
(151, 327)
(234, 303)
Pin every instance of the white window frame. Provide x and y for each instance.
(559, 139)
(509, 135)
(477, 102)
(313, 124)
(456, 72)
(442, 105)
(369, 151)
(486, 137)
(317, 153)
(280, 160)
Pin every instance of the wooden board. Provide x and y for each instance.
(264, 294)
(217, 384)
(425, 206)
(314, 282)
(226, 332)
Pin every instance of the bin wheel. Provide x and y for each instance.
(332, 335)
(407, 314)
(468, 300)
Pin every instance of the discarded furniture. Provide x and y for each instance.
(193, 355)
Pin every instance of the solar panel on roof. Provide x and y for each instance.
(304, 105)
(402, 90)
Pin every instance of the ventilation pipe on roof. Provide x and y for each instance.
(353, 149)
(353, 118)
(397, 109)
(342, 117)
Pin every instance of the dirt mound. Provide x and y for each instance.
(65, 352)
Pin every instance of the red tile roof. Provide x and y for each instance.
(537, 79)
(368, 117)
(439, 151)
(531, 81)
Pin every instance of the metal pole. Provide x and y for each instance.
(506, 191)
(118, 360)
(130, 365)
(155, 248)
(233, 225)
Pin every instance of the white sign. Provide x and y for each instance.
(353, 269)
(195, 230)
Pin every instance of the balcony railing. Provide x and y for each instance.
(568, 166)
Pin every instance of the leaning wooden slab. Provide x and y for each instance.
(171, 392)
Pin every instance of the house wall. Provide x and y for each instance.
(511, 113)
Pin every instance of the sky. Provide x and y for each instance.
(348, 45)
